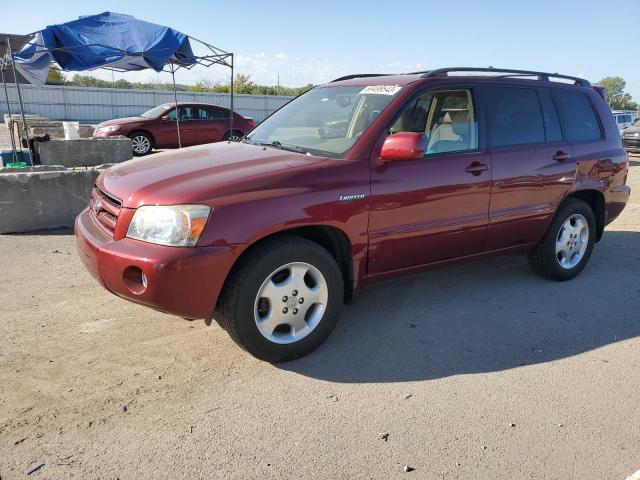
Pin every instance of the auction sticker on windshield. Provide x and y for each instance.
(381, 90)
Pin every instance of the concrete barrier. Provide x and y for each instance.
(41, 198)
(84, 151)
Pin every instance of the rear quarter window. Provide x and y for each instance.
(578, 117)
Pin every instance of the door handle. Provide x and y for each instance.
(561, 156)
(476, 168)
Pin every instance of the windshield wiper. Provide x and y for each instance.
(280, 146)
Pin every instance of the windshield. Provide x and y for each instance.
(324, 121)
(156, 112)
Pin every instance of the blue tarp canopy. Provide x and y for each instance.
(110, 40)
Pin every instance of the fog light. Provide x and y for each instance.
(135, 280)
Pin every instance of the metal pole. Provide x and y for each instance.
(113, 95)
(231, 116)
(24, 120)
(175, 99)
(10, 126)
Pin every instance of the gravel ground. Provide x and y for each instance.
(474, 371)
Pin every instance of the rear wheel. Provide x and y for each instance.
(566, 247)
(142, 143)
(283, 299)
(233, 136)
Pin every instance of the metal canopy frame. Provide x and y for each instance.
(214, 56)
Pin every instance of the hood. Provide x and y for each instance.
(122, 121)
(194, 174)
(632, 130)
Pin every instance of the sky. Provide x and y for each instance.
(315, 42)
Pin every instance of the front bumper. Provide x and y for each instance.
(180, 280)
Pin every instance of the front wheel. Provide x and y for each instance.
(283, 299)
(142, 143)
(566, 247)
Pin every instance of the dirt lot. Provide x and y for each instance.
(473, 371)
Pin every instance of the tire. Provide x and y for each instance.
(249, 317)
(563, 252)
(142, 143)
(235, 137)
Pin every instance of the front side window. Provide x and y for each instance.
(579, 119)
(514, 116)
(446, 119)
(324, 121)
(186, 113)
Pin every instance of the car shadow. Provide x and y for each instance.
(484, 316)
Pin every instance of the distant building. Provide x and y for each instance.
(17, 42)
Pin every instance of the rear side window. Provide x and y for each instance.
(579, 119)
(515, 117)
(213, 113)
(550, 116)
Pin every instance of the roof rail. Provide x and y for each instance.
(544, 76)
(360, 75)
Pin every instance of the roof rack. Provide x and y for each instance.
(360, 75)
(544, 76)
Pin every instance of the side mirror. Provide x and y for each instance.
(403, 146)
(164, 117)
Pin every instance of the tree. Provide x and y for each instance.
(56, 77)
(615, 94)
(243, 84)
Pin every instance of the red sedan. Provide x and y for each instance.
(199, 123)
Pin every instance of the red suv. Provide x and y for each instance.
(366, 178)
(199, 123)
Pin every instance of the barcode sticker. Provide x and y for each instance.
(381, 90)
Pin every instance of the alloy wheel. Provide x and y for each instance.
(141, 144)
(291, 302)
(572, 241)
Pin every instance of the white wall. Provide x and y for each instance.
(93, 105)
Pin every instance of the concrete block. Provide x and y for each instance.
(54, 130)
(84, 151)
(41, 198)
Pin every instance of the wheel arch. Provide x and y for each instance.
(333, 239)
(227, 132)
(595, 199)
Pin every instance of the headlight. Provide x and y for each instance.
(173, 225)
(110, 128)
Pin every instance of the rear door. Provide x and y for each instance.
(532, 163)
(213, 123)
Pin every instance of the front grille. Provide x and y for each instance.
(631, 142)
(105, 210)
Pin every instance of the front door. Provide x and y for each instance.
(435, 208)
(167, 134)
